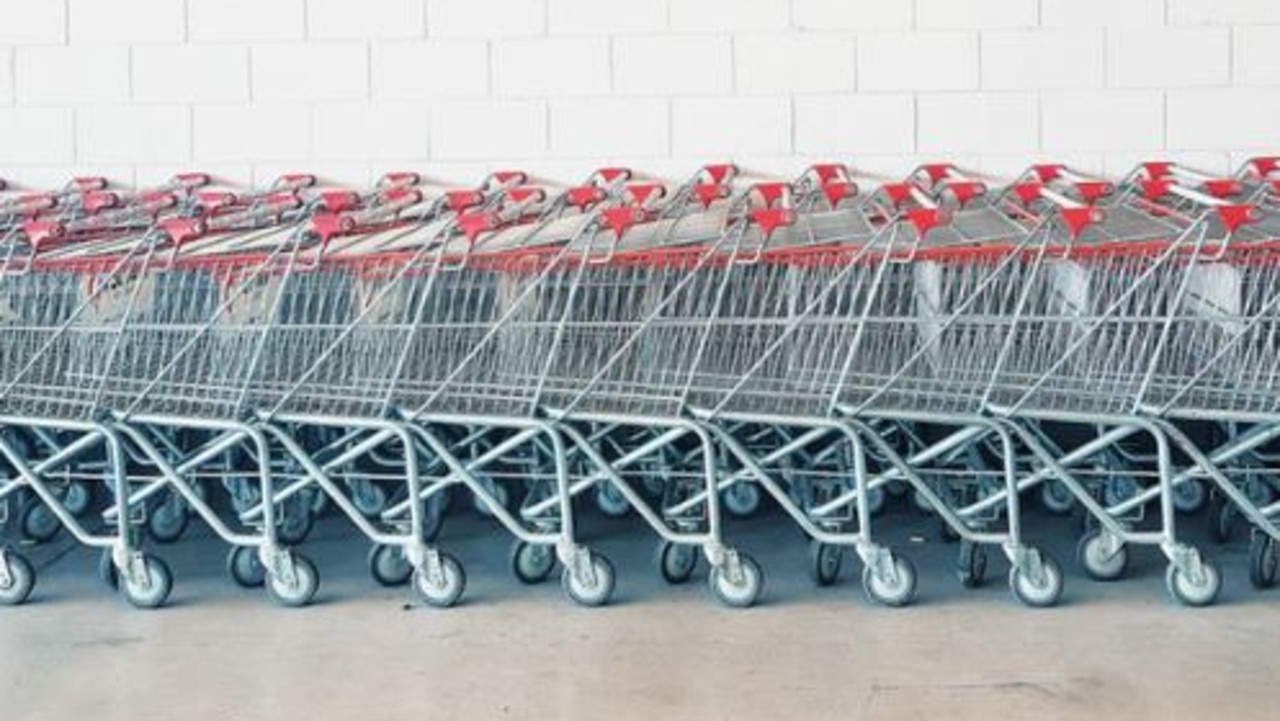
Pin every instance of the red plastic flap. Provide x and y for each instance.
(402, 196)
(1047, 172)
(1077, 219)
(966, 190)
(1222, 188)
(708, 193)
(509, 178)
(640, 193)
(38, 231)
(925, 219)
(1028, 193)
(213, 200)
(1234, 216)
(898, 193)
(86, 183)
(329, 225)
(400, 178)
(771, 193)
(1275, 187)
(612, 175)
(718, 174)
(620, 219)
(156, 202)
(838, 191)
(937, 171)
(296, 181)
(460, 200)
(183, 230)
(584, 196)
(1092, 190)
(1157, 170)
(473, 224)
(829, 172)
(1156, 189)
(95, 201)
(287, 200)
(191, 181)
(1265, 166)
(33, 203)
(527, 194)
(336, 201)
(770, 219)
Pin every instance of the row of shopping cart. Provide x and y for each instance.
(677, 352)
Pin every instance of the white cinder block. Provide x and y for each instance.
(329, 173)
(1257, 55)
(611, 17)
(551, 67)
(979, 123)
(486, 18)
(1168, 57)
(190, 73)
(826, 15)
(32, 22)
(36, 135)
(497, 130)
(127, 21)
(320, 71)
(632, 127)
(431, 69)
(72, 75)
(1042, 59)
(672, 65)
(245, 20)
(729, 15)
(252, 133)
(139, 134)
(364, 132)
(855, 124)
(1102, 121)
(365, 20)
(702, 126)
(976, 14)
(795, 63)
(1223, 12)
(918, 61)
(1224, 118)
(1097, 13)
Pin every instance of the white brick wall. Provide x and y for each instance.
(250, 88)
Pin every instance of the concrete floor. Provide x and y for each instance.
(1118, 650)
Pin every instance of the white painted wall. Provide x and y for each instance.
(136, 89)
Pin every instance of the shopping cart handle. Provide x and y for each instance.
(191, 181)
(965, 190)
(770, 219)
(211, 201)
(620, 219)
(1028, 192)
(1047, 172)
(95, 201)
(34, 203)
(527, 194)
(280, 201)
(1091, 190)
(337, 201)
(1155, 189)
(155, 202)
(1157, 170)
(838, 191)
(474, 223)
(937, 171)
(181, 231)
(771, 193)
(926, 219)
(640, 193)
(401, 196)
(1078, 219)
(708, 193)
(399, 179)
(609, 176)
(1222, 187)
(720, 173)
(897, 193)
(508, 178)
(86, 183)
(829, 172)
(38, 231)
(584, 196)
(295, 181)
(1234, 215)
(325, 225)
(1265, 166)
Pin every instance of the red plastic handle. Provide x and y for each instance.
(156, 202)
(1047, 172)
(336, 201)
(1077, 219)
(183, 230)
(584, 196)
(771, 193)
(288, 200)
(1234, 216)
(191, 181)
(95, 201)
(330, 225)
(1155, 189)
(296, 181)
(609, 176)
(86, 183)
(402, 196)
(897, 193)
(926, 219)
(475, 223)
(527, 194)
(837, 191)
(36, 202)
(1028, 193)
(937, 171)
(460, 200)
(640, 193)
(1091, 190)
(211, 201)
(1157, 170)
(1222, 188)
(721, 173)
(620, 219)
(829, 172)
(38, 231)
(708, 193)
(770, 219)
(1265, 166)
(509, 178)
(400, 179)
(966, 190)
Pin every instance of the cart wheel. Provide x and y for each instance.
(742, 591)
(245, 568)
(1041, 592)
(38, 523)
(1190, 591)
(499, 493)
(388, 566)
(369, 497)
(946, 532)
(1190, 496)
(152, 590)
(1262, 560)
(433, 515)
(594, 590)
(107, 573)
(77, 498)
(895, 589)
(1102, 557)
(446, 591)
(299, 592)
(22, 579)
(825, 560)
(1222, 520)
(971, 567)
(168, 520)
(677, 561)
(531, 562)
(876, 499)
(742, 499)
(1056, 498)
(921, 503)
(610, 500)
(295, 522)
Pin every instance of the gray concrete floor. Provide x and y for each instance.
(1120, 650)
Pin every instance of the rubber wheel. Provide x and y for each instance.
(445, 593)
(595, 591)
(1194, 592)
(1190, 496)
(369, 497)
(22, 579)
(677, 561)
(610, 500)
(168, 520)
(825, 560)
(1038, 593)
(971, 566)
(152, 591)
(245, 567)
(1262, 561)
(946, 532)
(1099, 562)
(499, 493)
(1221, 519)
(876, 499)
(742, 499)
(294, 522)
(895, 592)
(306, 582)
(740, 592)
(532, 563)
(1056, 498)
(388, 566)
(38, 523)
(433, 515)
(77, 498)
